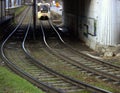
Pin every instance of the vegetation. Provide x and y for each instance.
(11, 83)
(58, 65)
(18, 10)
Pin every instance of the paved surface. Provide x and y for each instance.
(57, 9)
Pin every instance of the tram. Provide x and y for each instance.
(43, 11)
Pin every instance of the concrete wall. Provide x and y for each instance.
(13, 3)
(97, 22)
(70, 16)
(118, 20)
(107, 28)
(2, 8)
(88, 22)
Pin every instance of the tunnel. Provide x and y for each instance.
(96, 22)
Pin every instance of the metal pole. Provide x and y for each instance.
(34, 14)
(77, 12)
(34, 18)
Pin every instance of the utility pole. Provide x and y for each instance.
(34, 14)
(34, 18)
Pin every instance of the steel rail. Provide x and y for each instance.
(79, 83)
(16, 68)
(38, 82)
(104, 74)
(82, 54)
(19, 70)
(12, 65)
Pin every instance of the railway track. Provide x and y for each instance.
(49, 68)
(41, 76)
(9, 49)
(12, 55)
(74, 66)
(103, 70)
(59, 82)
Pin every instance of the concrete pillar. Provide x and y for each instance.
(118, 21)
(2, 9)
(96, 21)
(7, 4)
(19, 2)
(12, 3)
(108, 27)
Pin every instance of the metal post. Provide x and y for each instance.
(34, 14)
(34, 18)
(77, 17)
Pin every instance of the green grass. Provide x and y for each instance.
(19, 10)
(11, 83)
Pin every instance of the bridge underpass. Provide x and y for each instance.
(96, 22)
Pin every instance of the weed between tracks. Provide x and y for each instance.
(59, 66)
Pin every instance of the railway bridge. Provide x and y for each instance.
(97, 22)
